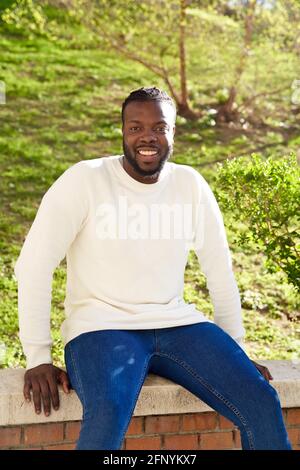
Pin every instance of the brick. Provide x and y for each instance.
(161, 424)
(135, 426)
(47, 433)
(181, 442)
(293, 416)
(143, 443)
(72, 430)
(284, 413)
(31, 448)
(216, 440)
(61, 447)
(10, 436)
(225, 423)
(199, 422)
(237, 439)
(294, 436)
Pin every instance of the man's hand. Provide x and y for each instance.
(264, 371)
(43, 380)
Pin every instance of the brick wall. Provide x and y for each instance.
(203, 431)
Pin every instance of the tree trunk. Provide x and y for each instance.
(182, 53)
(228, 111)
(183, 107)
(185, 111)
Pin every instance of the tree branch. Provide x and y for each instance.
(264, 93)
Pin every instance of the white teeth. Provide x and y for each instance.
(148, 152)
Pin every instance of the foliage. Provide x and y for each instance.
(64, 94)
(265, 194)
(24, 14)
(148, 32)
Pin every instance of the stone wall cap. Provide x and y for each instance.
(159, 396)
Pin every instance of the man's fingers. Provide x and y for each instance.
(264, 371)
(267, 374)
(63, 379)
(53, 392)
(36, 395)
(26, 390)
(42, 382)
(45, 396)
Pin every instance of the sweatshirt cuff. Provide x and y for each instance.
(37, 355)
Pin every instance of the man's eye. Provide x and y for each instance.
(133, 128)
(162, 129)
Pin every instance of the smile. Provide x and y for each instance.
(147, 153)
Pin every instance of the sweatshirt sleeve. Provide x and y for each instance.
(213, 253)
(60, 216)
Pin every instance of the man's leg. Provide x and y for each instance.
(107, 369)
(205, 360)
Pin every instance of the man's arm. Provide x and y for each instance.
(60, 217)
(213, 253)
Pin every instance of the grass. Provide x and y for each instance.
(63, 105)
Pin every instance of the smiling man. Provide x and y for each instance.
(126, 224)
(148, 133)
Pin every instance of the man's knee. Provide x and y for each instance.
(268, 396)
(105, 409)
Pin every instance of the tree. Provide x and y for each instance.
(150, 32)
(228, 110)
(233, 59)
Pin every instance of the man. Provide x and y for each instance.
(126, 224)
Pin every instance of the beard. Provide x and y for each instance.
(131, 158)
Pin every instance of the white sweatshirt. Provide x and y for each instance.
(126, 244)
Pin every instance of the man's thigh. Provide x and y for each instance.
(205, 360)
(108, 366)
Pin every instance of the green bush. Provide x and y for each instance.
(6, 4)
(264, 194)
(23, 15)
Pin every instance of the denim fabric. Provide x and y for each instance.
(107, 369)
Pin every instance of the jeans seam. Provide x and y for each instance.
(156, 341)
(142, 378)
(78, 380)
(136, 396)
(216, 393)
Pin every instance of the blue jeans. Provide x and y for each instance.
(107, 369)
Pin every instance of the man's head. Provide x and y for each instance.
(148, 117)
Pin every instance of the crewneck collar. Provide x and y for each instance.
(133, 183)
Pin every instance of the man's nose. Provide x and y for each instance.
(148, 136)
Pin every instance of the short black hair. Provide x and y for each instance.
(148, 94)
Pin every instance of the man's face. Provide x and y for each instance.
(148, 136)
